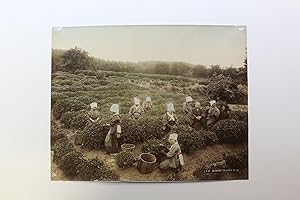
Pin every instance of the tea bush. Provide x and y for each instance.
(231, 131)
(125, 159)
(55, 96)
(94, 134)
(95, 169)
(145, 128)
(61, 148)
(239, 115)
(189, 139)
(64, 105)
(76, 120)
(69, 162)
(237, 160)
(153, 146)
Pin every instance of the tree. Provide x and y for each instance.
(221, 87)
(215, 69)
(200, 71)
(74, 59)
(56, 60)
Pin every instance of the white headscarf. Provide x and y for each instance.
(115, 108)
(93, 105)
(173, 136)
(212, 102)
(148, 99)
(137, 101)
(170, 107)
(188, 99)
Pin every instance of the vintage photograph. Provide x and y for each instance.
(149, 103)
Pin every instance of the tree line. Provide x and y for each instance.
(78, 59)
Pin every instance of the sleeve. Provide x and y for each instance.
(165, 120)
(130, 111)
(115, 119)
(217, 112)
(172, 151)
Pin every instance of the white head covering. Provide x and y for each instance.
(173, 136)
(137, 101)
(170, 107)
(197, 104)
(148, 98)
(188, 99)
(212, 102)
(115, 108)
(93, 105)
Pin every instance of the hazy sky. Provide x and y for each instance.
(207, 45)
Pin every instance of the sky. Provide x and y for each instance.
(206, 45)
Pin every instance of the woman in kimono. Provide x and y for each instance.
(136, 110)
(198, 117)
(212, 114)
(111, 139)
(94, 113)
(188, 105)
(224, 112)
(174, 157)
(169, 120)
(147, 105)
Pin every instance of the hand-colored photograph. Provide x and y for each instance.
(149, 103)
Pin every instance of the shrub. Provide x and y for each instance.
(64, 105)
(124, 159)
(231, 131)
(95, 169)
(239, 115)
(141, 130)
(77, 120)
(210, 137)
(61, 148)
(189, 139)
(55, 96)
(153, 146)
(94, 135)
(86, 99)
(69, 162)
(237, 160)
(223, 88)
(56, 132)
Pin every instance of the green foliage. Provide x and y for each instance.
(147, 127)
(94, 135)
(77, 120)
(64, 105)
(222, 88)
(61, 148)
(153, 146)
(239, 115)
(74, 59)
(231, 131)
(55, 96)
(69, 162)
(125, 159)
(237, 160)
(95, 169)
(56, 132)
(189, 139)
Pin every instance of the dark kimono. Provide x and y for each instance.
(169, 122)
(198, 118)
(111, 140)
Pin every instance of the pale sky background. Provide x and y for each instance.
(207, 45)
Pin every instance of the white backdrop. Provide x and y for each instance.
(273, 63)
